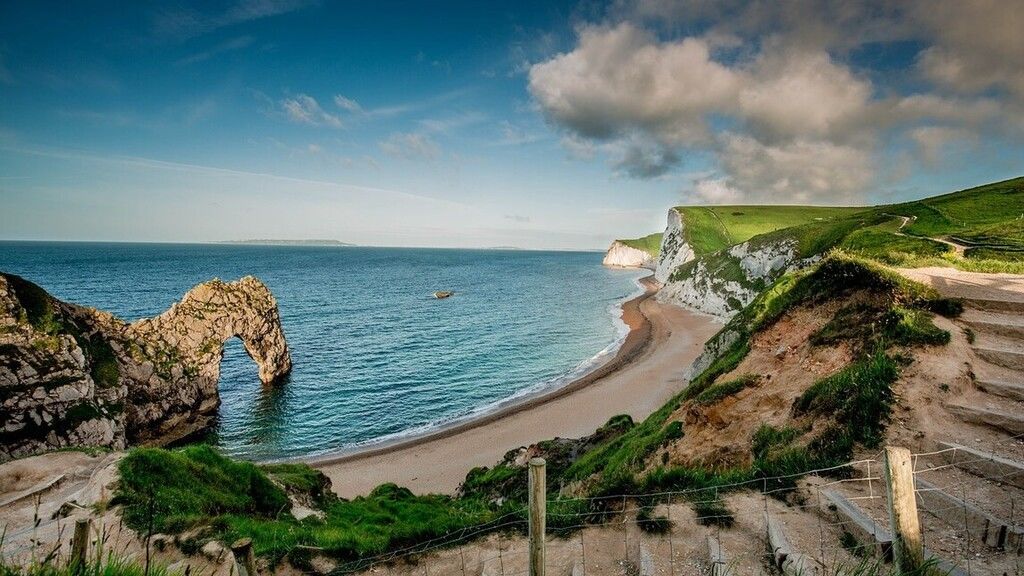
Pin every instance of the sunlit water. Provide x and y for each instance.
(375, 356)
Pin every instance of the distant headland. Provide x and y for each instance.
(265, 242)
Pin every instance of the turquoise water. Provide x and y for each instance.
(375, 356)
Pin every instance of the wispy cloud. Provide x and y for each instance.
(354, 107)
(411, 146)
(514, 135)
(226, 46)
(347, 104)
(202, 169)
(304, 109)
(452, 121)
(181, 23)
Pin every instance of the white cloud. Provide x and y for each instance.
(796, 92)
(304, 109)
(805, 171)
(717, 191)
(347, 104)
(622, 79)
(227, 46)
(411, 146)
(977, 45)
(933, 141)
(769, 93)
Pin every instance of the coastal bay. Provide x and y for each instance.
(648, 369)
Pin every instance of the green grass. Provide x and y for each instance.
(650, 243)
(196, 487)
(859, 398)
(176, 489)
(966, 212)
(108, 565)
(711, 228)
(715, 393)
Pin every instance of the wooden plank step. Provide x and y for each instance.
(717, 559)
(1011, 423)
(980, 524)
(984, 464)
(867, 532)
(870, 530)
(1011, 390)
(1011, 359)
(786, 559)
(992, 305)
(37, 488)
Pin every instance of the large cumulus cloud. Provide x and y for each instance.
(771, 91)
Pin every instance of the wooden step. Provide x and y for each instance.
(1011, 390)
(1007, 358)
(858, 521)
(717, 559)
(867, 532)
(979, 524)
(786, 559)
(1009, 422)
(991, 305)
(983, 464)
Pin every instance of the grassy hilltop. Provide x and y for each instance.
(979, 229)
(650, 243)
(712, 228)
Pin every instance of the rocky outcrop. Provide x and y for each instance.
(675, 251)
(76, 376)
(621, 255)
(720, 283)
(723, 283)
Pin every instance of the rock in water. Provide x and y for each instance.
(76, 376)
(442, 294)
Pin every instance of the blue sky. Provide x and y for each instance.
(537, 124)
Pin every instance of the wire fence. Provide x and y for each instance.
(832, 520)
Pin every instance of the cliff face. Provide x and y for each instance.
(720, 283)
(624, 256)
(76, 376)
(674, 249)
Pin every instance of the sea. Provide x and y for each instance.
(376, 357)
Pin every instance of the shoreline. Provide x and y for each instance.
(636, 340)
(646, 371)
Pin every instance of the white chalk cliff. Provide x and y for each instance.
(719, 283)
(622, 256)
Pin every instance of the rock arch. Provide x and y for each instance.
(184, 347)
(77, 376)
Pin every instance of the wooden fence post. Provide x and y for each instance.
(907, 547)
(245, 560)
(538, 515)
(80, 545)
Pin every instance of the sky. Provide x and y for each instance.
(554, 125)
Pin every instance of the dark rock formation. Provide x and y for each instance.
(76, 376)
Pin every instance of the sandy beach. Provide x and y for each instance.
(647, 370)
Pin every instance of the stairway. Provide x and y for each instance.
(993, 320)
